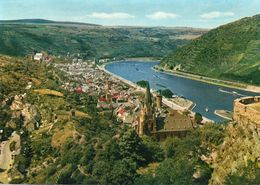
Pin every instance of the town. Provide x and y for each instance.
(131, 104)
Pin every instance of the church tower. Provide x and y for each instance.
(147, 119)
(148, 98)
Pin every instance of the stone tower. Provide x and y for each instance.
(158, 102)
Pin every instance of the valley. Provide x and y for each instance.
(82, 103)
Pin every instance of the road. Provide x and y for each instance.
(6, 155)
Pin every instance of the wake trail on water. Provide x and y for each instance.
(231, 92)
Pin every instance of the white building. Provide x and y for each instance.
(38, 56)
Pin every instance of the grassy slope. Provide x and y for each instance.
(229, 52)
(92, 41)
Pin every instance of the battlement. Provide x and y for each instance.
(247, 110)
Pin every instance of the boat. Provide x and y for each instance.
(224, 91)
(207, 109)
(160, 85)
(183, 97)
(156, 76)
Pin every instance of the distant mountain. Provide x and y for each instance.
(43, 21)
(230, 52)
(22, 37)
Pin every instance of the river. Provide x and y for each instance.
(205, 95)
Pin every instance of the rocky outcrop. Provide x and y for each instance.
(31, 117)
(29, 114)
(241, 145)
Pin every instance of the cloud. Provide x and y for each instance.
(115, 15)
(216, 14)
(162, 15)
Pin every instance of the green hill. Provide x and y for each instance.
(230, 52)
(19, 38)
(42, 21)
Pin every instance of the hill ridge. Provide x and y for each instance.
(229, 52)
(42, 21)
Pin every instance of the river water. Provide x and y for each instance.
(205, 95)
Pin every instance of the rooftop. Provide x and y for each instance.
(176, 121)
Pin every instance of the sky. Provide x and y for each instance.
(171, 13)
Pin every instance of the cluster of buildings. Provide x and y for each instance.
(131, 105)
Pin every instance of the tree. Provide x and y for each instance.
(65, 176)
(101, 172)
(170, 146)
(142, 83)
(198, 118)
(111, 151)
(167, 93)
(131, 147)
(176, 172)
(153, 151)
(124, 172)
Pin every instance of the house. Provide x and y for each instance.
(38, 56)
(79, 90)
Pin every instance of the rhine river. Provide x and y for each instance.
(205, 95)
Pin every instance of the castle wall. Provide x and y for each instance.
(245, 114)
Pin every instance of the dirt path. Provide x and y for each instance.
(6, 156)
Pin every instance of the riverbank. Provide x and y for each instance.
(209, 80)
(165, 101)
(143, 59)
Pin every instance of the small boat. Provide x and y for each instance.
(224, 91)
(160, 85)
(156, 76)
(207, 109)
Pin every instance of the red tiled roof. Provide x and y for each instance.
(79, 90)
(102, 99)
(121, 111)
(115, 96)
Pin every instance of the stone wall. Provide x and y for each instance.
(245, 114)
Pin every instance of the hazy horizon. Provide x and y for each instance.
(171, 13)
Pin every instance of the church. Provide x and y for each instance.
(147, 118)
(159, 123)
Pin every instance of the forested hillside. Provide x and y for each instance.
(91, 41)
(230, 52)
